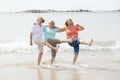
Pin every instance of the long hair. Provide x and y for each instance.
(66, 23)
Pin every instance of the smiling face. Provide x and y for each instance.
(69, 22)
(51, 24)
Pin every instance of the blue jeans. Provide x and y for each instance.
(75, 44)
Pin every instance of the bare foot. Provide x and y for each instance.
(90, 43)
(43, 63)
(56, 48)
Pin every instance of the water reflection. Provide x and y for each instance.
(51, 74)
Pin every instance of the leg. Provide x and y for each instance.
(75, 58)
(52, 60)
(85, 43)
(40, 47)
(76, 52)
(50, 46)
(66, 41)
(53, 55)
(54, 43)
(40, 57)
(75, 44)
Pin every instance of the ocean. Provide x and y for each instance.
(103, 27)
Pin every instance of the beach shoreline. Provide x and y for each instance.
(37, 73)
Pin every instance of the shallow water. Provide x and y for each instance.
(103, 55)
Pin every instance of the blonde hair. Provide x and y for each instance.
(53, 23)
(40, 18)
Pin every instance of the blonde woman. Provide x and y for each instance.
(36, 36)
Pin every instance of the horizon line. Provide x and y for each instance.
(59, 10)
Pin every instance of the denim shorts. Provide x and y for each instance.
(75, 44)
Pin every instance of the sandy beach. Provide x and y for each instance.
(37, 73)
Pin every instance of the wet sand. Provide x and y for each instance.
(37, 73)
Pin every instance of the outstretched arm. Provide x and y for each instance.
(60, 29)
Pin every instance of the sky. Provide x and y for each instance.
(20, 5)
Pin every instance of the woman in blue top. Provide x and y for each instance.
(49, 36)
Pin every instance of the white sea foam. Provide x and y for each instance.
(23, 46)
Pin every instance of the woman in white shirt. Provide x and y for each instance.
(37, 36)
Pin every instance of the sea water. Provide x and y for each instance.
(103, 27)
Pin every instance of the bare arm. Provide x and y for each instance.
(31, 39)
(60, 29)
(80, 27)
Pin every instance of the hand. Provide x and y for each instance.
(80, 27)
(77, 25)
(34, 23)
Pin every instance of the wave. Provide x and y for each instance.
(76, 68)
(17, 46)
(23, 46)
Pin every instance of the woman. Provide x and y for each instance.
(36, 35)
(49, 36)
(72, 35)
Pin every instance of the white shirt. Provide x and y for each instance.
(37, 32)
